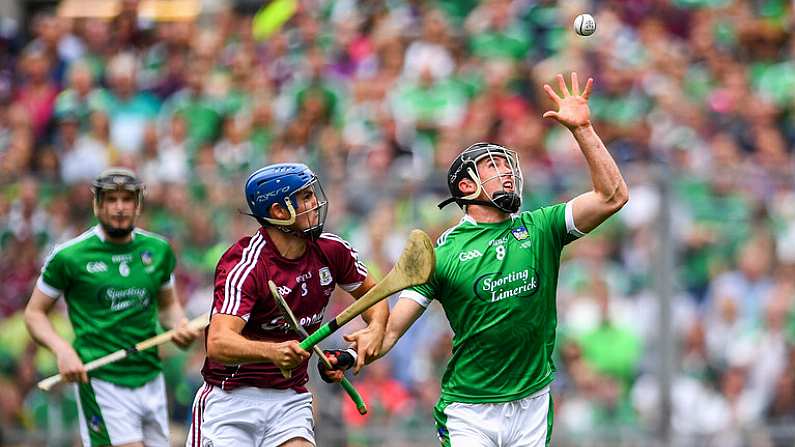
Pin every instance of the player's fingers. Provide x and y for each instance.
(336, 376)
(586, 93)
(359, 363)
(552, 95)
(181, 338)
(550, 114)
(562, 85)
(575, 84)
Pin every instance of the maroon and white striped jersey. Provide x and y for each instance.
(241, 289)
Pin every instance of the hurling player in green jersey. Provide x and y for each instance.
(117, 282)
(496, 278)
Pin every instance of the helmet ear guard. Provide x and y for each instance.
(283, 222)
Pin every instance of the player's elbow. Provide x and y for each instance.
(217, 349)
(618, 198)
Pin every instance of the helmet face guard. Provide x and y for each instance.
(283, 184)
(466, 166)
(314, 213)
(111, 180)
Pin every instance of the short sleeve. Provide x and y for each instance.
(557, 222)
(169, 264)
(54, 278)
(346, 267)
(235, 285)
(423, 294)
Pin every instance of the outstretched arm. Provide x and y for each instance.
(368, 340)
(402, 316)
(610, 191)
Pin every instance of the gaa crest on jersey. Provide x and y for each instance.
(325, 276)
(95, 424)
(146, 257)
(520, 233)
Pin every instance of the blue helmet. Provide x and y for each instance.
(279, 184)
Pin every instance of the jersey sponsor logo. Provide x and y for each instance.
(277, 324)
(284, 290)
(121, 258)
(493, 287)
(500, 241)
(120, 299)
(96, 267)
(325, 276)
(280, 323)
(309, 321)
(465, 256)
(520, 233)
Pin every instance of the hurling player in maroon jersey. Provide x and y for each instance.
(246, 401)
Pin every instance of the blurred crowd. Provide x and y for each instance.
(695, 97)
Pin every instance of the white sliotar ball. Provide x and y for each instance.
(584, 25)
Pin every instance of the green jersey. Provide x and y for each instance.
(497, 284)
(111, 291)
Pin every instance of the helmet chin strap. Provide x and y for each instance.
(507, 202)
(463, 202)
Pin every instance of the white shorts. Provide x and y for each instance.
(113, 415)
(520, 423)
(256, 417)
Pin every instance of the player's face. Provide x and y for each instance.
(118, 209)
(307, 214)
(496, 175)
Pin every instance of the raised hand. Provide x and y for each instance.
(573, 110)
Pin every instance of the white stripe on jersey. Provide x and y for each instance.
(232, 275)
(231, 292)
(150, 234)
(86, 234)
(415, 296)
(350, 287)
(360, 267)
(240, 283)
(47, 289)
(443, 238)
(570, 227)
